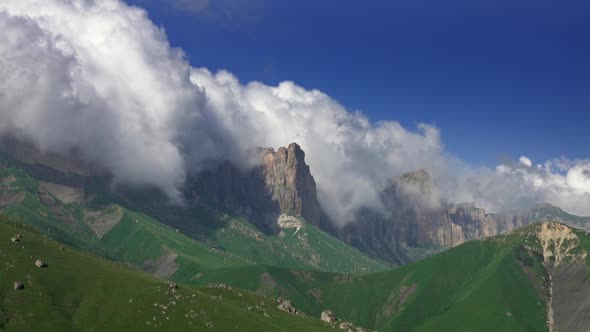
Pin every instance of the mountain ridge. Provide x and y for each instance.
(411, 228)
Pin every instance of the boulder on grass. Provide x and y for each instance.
(328, 317)
(40, 264)
(287, 306)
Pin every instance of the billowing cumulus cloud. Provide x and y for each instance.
(100, 78)
(562, 182)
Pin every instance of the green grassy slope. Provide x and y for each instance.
(478, 286)
(135, 239)
(138, 238)
(306, 248)
(78, 291)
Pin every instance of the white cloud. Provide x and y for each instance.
(526, 161)
(516, 185)
(99, 77)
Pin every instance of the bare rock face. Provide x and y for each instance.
(412, 221)
(405, 222)
(564, 284)
(281, 184)
(559, 244)
(289, 179)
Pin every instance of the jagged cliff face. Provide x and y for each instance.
(407, 225)
(288, 178)
(281, 184)
(403, 223)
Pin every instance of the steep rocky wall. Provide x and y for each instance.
(407, 224)
(281, 184)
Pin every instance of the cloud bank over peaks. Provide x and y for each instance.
(561, 182)
(100, 78)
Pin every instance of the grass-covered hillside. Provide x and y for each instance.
(89, 220)
(478, 286)
(81, 292)
(525, 281)
(497, 284)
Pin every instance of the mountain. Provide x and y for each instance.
(71, 290)
(186, 240)
(412, 227)
(281, 184)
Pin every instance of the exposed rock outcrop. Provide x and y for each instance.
(328, 317)
(281, 184)
(565, 281)
(287, 306)
(289, 179)
(18, 285)
(40, 264)
(559, 244)
(286, 221)
(413, 221)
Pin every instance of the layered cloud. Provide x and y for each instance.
(100, 78)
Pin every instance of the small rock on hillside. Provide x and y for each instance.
(328, 317)
(19, 285)
(40, 264)
(287, 306)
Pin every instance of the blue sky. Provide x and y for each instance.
(499, 78)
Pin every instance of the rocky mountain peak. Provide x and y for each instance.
(281, 184)
(288, 178)
(419, 180)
